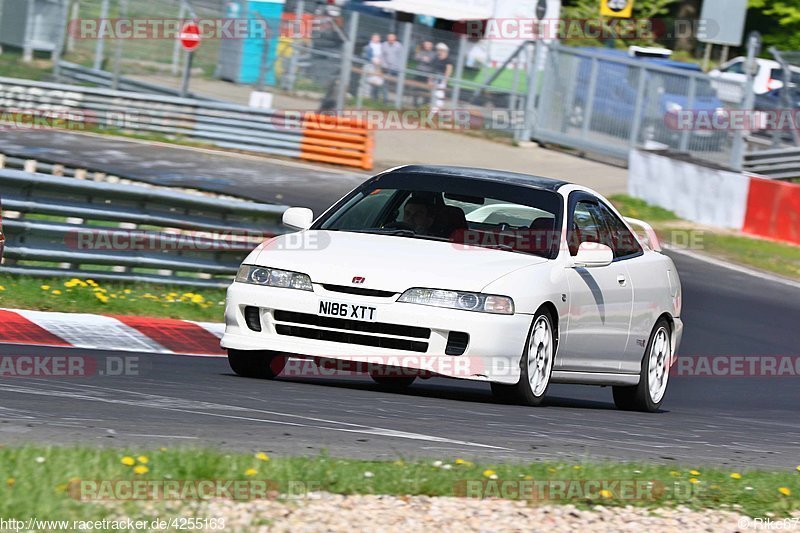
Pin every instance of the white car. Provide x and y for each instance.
(768, 78)
(485, 275)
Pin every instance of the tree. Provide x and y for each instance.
(590, 10)
(777, 20)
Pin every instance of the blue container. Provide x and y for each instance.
(240, 60)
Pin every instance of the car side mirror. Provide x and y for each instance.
(298, 218)
(592, 255)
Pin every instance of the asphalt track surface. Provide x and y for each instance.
(197, 401)
(258, 178)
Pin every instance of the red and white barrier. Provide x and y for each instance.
(113, 333)
(740, 201)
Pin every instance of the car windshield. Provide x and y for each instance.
(469, 212)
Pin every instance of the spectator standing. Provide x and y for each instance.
(374, 48)
(374, 76)
(443, 70)
(424, 58)
(392, 59)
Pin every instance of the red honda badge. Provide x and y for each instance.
(358, 280)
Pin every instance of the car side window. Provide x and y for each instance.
(616, 235)
(585, 226)
(734, 68)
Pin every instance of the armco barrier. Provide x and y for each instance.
(141, 234)
(773, 210)
(307, 136)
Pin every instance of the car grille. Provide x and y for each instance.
(359, 291)
(352, 331)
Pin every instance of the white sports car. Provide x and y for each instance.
(516, 280)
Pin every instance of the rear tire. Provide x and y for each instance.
(536, 365)
(259, 364)
(648, 395)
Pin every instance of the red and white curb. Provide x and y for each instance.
(114, 333)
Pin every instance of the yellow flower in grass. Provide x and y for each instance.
(736, 475)
(2, 288)
(798, 468)
(785, 491)
(694, 472)
(675, 473)
(10, 481)
(56, 292)
(128, 461)
(140, 470)
(577, 467)
(261, 456)
(127, 291)
(143, 459)
(489, 473)
(45, 287)
(102, 297)
(694, 480)
(605, 493)
(250, 472)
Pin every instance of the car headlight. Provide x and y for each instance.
(467, 301)
(273, 277)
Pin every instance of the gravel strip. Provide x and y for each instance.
(368, 513)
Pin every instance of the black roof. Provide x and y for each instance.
(485, 174)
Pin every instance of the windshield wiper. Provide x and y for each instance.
(402, 232)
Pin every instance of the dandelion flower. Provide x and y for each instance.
(694, 480)
(461, 462)
(675, 474)
(261, 456)
(56, 292)
(785, 491)
(489, 473)
(3, 288)
(605, 493)
(694, 472)
(250, 472)
(10, 481)
(140, 469)
(736, 475)
(128, 461)
(577, 467)
(45, 287)
(143, 459)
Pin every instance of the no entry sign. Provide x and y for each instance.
(190, 36)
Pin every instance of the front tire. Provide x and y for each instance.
(256, 364)
(536, 365)
(648, 395)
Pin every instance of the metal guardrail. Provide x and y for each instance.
(71, 227)
(782, 163)
(309, 137)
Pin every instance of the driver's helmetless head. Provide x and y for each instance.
(419, 213)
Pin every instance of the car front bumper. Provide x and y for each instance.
(289, 319)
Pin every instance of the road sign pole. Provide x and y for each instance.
(187, 73)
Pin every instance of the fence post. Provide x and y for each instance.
(291, 77)
(176, 46)
(100, 44)
(347, 61)
(533, 63)
(587, 117)
(638, 109)
(60, 34)
(123, 12)
(405, 38)
(684, 146)
(27, 45)
(738, 148)
(459, 73)
(74, 15)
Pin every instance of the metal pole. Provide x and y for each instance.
(74, 15)
(684, 146)
(123, 12)
(187, 72)
(347, 60)
(100, 44)
(723, 58)
(738, 148)
(458, 75)
(58, 49)
(707, 56)
(291, 78)
(401, 74)
(27, 45)
(176, 47)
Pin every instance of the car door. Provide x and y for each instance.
(600, 299)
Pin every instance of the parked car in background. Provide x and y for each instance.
(768, 78)
(779, 111)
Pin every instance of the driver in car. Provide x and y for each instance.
(419, 214)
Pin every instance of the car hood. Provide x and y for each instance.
(388, 263)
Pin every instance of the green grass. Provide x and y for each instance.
(12, 66)
(115, 298)
(767, 255)
(41, 481)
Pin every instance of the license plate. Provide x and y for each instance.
(351, 311)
